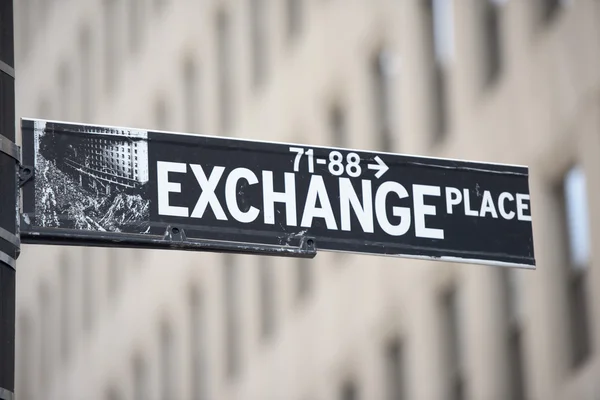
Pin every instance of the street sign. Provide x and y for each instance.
(111, 186)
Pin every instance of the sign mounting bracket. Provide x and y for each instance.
(25, 173)
(177, 239)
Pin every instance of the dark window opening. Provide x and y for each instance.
(304, 277)
(111, 56)
(190, 96)
(231, 304)
(438, 32)
(349, 391)
(381, 100)
(514, 334)
(86, 89)
(573, 194)
(258, 37)
(515, 362)
(224, 79)
(197, 345)
(295, 16)
(337, 127)
(168, 363)
(136, 21)
(267, 297)
(491, 41)
(549, 9)
(451, 333)
(65, 303)
(395, 379)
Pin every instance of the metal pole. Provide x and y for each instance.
(9, 238)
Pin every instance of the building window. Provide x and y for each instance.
(159, 5)
(304, 277)
(136, 21)
(349, 391)
(491, 43)
(161, 114)
(43, 10)
(267, 296)
(190, 96)
(576, 216)
(86, 93)
(451, 325)
(112, 394)
(65, 303)
(439, 23)
(111, 57)
(64, 87)
(197, 322)
(394, 369)
(45, 334)
(140, 379)
(548, 10)
(337, 127)
(87, 296)
(232, 317)
(113, 271)
(24, 356)
(168, 363)
(258, 38)
(381, 83)
(294, 17)
(515, 360)
(26, 26)
(224, 72)
(514, 334)
(44, 108)
(441, 16)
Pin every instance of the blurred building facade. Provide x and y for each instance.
(505, 81)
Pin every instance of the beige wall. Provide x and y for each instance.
(543, 112)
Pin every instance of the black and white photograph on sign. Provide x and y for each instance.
(95, 179)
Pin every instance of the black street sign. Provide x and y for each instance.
(111, 186)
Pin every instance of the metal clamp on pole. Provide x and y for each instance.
(8, 260)
(9, 148)
(6, 394)
(7, 69)
(15, 241)
(10, 238)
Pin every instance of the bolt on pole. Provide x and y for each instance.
(9, 238)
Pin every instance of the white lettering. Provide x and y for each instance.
(468, 210)
(317, 190)
(421, 210)
(231, 195)
(450, 200)
(165, 187)
(349, 198)
(522, 207)
(501, 199)
(208, 195)
(288, 197)
(402, 212)
(487, 205)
